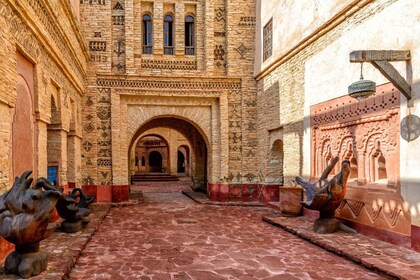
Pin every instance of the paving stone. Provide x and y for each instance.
(392, 260)
(169, 236)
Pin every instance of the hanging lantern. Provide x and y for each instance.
(362, 89)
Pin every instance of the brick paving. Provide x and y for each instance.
(169, 236)
(393, 260)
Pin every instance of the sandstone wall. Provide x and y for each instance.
(214, 89)
(56, 51)
(315, 73)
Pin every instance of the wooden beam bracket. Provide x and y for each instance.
(380, 60)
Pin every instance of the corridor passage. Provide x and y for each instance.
(168, 236)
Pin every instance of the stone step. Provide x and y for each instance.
(155, 177)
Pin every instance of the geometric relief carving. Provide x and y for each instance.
(87, 146)
(234, 86)
(104, 162)
(355, 206)
(242, 50)
(97, 46)
(247, 21)
(105, 153)
(104, 143)
(219, 14)
(89, 127)
(104, 113)
(118, 6)
(367, 133)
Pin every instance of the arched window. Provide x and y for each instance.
(189, 36)
(168, 35)
(147, 34)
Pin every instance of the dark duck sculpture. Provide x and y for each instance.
(326, 196)
(73, 209)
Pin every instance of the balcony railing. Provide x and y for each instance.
(147, 49)
(189, 50)
(168, 50)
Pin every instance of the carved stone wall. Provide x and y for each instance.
(367, 134)
(211, 86)
(56, 58)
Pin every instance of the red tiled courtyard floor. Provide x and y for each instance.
(169, 236)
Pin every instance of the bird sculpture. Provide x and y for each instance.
(84, 201)
(73, 212)
(25, 221)
(326, 196)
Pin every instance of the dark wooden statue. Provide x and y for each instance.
(74, 209)
(24, 221)
(325, 196)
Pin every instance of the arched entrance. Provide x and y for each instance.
(151, 154)
(181, 162)
(155, 161)
(196, 142)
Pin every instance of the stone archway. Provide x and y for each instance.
(155, 161)
(196, 140)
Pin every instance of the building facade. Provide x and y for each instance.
(241, 98)
(305, 68)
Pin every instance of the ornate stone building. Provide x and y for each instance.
(241, 98)
(303, 70)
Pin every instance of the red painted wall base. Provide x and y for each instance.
(243, 192)
(107, 193)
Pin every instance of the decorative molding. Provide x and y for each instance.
(199, 84)
(169, 64)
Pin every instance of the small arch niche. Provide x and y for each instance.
(378, 165)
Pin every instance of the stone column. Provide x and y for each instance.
(158, 27)
(129, 37)
(74, 158)
(179, 29)
(361, 168)
(57, 152)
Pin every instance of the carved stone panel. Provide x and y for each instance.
(366, 133)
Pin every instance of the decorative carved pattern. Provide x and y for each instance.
(118, 66)
(118, 20)
(99, 2)
(30, 43)
(242, 50)
(87, 146)
(88, 180)
(103, 112)
(89, 127)
(118, 6)
(360, 131)
(105, 153)
(247, 21)
(220, 14)
(219, 34)
(120, 47)
(104, 143)
(169, 64)
(98, 58)
(355, 206)
(148, 84)
(55, 33)
(219, 52)
(97, 46)
(104, 162)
